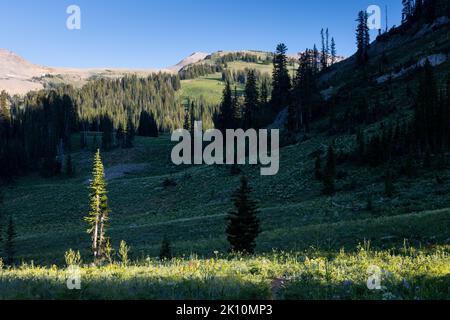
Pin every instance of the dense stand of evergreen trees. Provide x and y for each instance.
(306, 99)
(199, 70)
(36, 135)
(243, 56)
(128, 97)
(240, 76)
(428, 133)
(424, 10)
(35, 130)
(229, 115)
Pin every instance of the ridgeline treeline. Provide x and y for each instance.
(199, 70)
(243, 56)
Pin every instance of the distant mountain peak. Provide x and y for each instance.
(193, 58)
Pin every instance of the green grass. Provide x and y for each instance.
(411, 274)
(209, 88)
(295, 216)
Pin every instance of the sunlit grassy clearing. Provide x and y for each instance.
(209, 88)
(408, 274)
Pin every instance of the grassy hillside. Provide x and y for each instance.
(208, 88)
(295, 215)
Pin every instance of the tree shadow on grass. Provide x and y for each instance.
(416, 288)
(136, 288)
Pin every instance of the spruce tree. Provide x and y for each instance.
(362, 39)
(426, 116)
(327, 47)
(264, 92)
(107, 128)
(323, 56)
(165, 252)
(98, 215)
(316, 59)
(129, 134)
(407, 11)
(251, 100)
(280, 79)
(120, 136)
(192, 118)
(9, 249)
(329, 174)
(243, 224)
(147, 125)
(187, 120)
(333, 51)
(227, 117)
(418, 9)
(305, 93)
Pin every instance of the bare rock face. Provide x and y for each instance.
(17, 75)
(193, 58)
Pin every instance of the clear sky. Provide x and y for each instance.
(159, 33)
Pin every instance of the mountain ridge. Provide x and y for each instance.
(19, 76)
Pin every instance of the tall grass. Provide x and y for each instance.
(407, 274)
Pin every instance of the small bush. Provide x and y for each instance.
(124, 249)
(168, 183)
(72, 258)
(165, 252)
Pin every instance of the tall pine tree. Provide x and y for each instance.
(280, 79)
(427, 117)
(129, 134)
(99, 211)
(243, 223)
(362, 39)
(333, 51)
(305, 93)
(10, 250)
(408, 10)
(251, 100)
(226, 118)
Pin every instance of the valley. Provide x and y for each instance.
(363, 181)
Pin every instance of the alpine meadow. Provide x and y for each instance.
(93, 205)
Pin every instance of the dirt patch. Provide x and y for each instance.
(120, 171)
(123, 170)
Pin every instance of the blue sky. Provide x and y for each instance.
(157, 33)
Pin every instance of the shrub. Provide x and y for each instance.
(166, 249)
(124, 249)
(72, 258)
